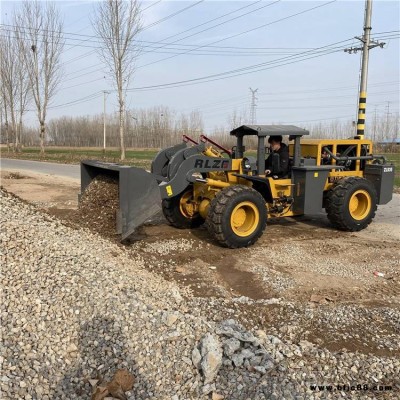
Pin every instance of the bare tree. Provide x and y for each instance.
(236, 118)
(24, 93)
(15, 84)
(8, 83)
(40, 38)
(3, 112)
(118, 23)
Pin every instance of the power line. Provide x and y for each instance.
(222, 52)
(236, 71)
(211, 20)
(84, 74)
(240, 74)
(84, 69)
(240, 51)
(214, 77)
(277, 50)
(78, 101)
(89, 53)
(327, 89)
(225, 101)
(202, 80)
(152, 5)
(85, 16)
(308, 107)
(329, 97)
(316, 120)
(244, 32)
(222, 23)
(152, 43)
(194, 54)
(172, 15)
(81, 84)
(209, 49)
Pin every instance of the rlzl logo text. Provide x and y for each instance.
(217, 164)
(387, 169)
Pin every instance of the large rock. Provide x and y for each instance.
(196, 358)
(211, 357)
(230, 346)
(169, 318)
(232, 329)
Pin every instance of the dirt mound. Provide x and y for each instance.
(98, 207)
(15, 175)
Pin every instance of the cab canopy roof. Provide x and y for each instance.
(269, 130)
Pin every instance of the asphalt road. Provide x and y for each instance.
(63, 170)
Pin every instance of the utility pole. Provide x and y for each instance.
(104, 120)
(253, 113)
(367, 45)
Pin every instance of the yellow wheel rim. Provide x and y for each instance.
(360, 204)
(245, 218)
(186, 208)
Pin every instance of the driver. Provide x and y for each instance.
(282, 149)
(325, 157)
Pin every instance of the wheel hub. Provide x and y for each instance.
(185, 206)
(360, 204)
(244, 219)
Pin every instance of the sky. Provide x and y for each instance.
(205, 55)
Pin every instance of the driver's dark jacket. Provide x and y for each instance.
(283, 162)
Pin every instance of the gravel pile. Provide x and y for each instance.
(76, 309)
(98, 207)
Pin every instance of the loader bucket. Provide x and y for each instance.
(139, 194)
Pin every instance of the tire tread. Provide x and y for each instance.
(215, 216)
(336, 204)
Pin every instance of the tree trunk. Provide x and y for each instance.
(19, 149)
(16, 144)
(7, 136)
(14, 131)
(121, 132)
(42, 136)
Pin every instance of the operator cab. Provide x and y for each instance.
(262, 131)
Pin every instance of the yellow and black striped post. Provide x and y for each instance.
(362, 104)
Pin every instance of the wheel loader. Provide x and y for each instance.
(201, 182)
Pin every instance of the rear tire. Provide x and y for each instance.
(351, 204)
(176, 213)
(237, 216)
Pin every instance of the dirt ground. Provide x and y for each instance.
(299, 261)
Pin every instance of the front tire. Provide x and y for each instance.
(351, 204)
(179, 212)
(237, 216)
